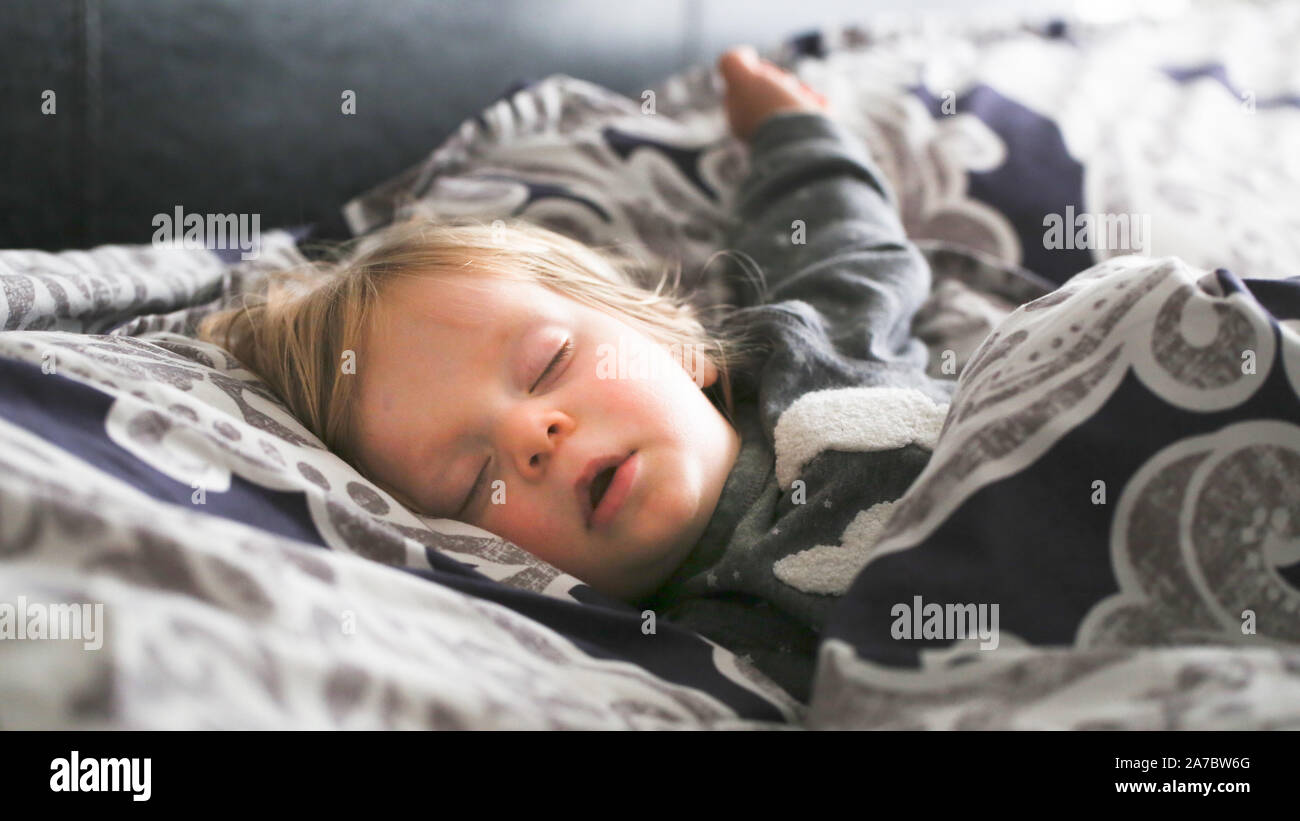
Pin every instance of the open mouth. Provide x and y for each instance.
(600, 484)
(603, 483)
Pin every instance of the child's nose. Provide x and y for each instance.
(536, 458)
(538, 435)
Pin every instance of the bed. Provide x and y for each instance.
(249, 578)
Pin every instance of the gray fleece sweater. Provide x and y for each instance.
(842, 285)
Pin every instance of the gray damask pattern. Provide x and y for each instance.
(213, 624)
(1200, 530)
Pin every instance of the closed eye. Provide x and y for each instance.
(561, 356)
(566, 350)
(473, 491)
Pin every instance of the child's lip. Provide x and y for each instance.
(615, 497)
(582, 487)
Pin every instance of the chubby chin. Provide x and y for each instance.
(638, 550)
(667, 518)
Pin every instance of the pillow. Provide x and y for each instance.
(131, 289)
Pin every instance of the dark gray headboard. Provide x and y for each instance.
(223, 106)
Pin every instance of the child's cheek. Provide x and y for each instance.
(530, 523)
(634, 397)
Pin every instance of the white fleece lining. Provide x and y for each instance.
(830, 569)
(853, 419)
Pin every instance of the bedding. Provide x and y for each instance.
(251, 579)
(1107, 534)
(154, 476)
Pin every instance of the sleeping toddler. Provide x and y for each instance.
(517, 380)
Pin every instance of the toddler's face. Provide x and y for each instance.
(453, 398)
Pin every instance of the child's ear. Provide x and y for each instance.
(705, 372)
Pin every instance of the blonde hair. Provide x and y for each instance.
(293, 332)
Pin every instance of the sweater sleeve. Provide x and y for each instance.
(820, 221)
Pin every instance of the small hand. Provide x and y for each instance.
(757, 89)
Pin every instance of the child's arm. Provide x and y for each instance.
(818, 217)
